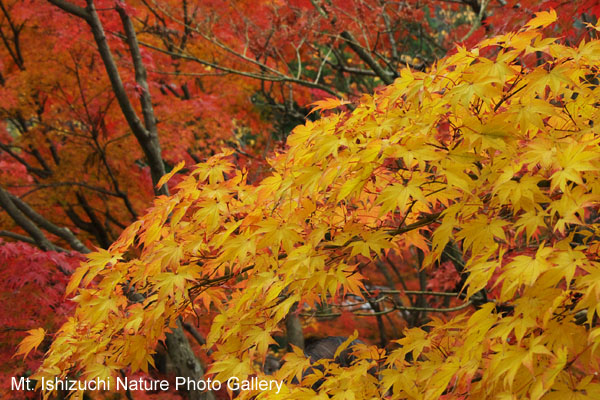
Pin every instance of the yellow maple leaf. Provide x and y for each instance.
(31, 342)
(168, 176)
(542, 19)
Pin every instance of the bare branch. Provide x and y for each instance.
(96, 227)
(71, 9)
(480, 11)
(390, 32)
(140, 71)
(63, 233)
(426, 220)
(145, 135)
(194, 332)
(259, 76)
(39, 172)
(16, 52)
(20, 219)
(16, 236)
(366, 57)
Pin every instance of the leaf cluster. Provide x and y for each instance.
(497, 159)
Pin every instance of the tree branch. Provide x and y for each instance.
(16, 236)
(71, 9)
(39, 172)
(97, 229)
(366, 57)
(147, 138)
(63, 233)
(140, 73)
(258, 76)
(420, 223)
(20, 219)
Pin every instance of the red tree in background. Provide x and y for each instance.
(32, 287)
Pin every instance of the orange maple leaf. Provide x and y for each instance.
(327, 104)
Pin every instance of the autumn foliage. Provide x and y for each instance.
(423, 176)
(33, 282)
(482, 164)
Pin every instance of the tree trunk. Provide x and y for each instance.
(185, 361)
(293, 327)
(178, 347)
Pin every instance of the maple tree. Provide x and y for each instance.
(483, 161)
(304, 50)
(43, 276)
(73, 174)
(377, 201)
